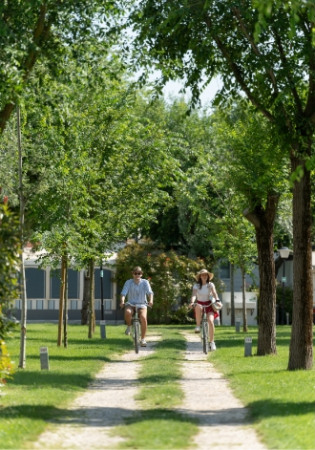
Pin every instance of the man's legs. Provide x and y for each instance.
(128, 317)
(143, 321)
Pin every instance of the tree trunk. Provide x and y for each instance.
(263, 219)
(245, 327)
(232, 296)
(91, 304)
(301, 344)
(62, 297)
(65, 316)
(22, 359)
(86, 299)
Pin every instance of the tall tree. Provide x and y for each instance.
(41, 30)
(272, 60)
(252, 165)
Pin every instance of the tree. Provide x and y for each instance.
(271, 59)
(43, 30)
(252, 166)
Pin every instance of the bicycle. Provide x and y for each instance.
(204, 329)
(135, 327)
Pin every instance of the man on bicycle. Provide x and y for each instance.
(137, 290)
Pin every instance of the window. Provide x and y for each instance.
(108, 305)
(97, 305)
(18, 304)
(225, 270)
(35, 282)
(74, 304)
(51, 304)
(73, 283)
(39, 304)
(29, 304)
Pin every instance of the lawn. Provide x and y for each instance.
(281, 403)
(34, 395)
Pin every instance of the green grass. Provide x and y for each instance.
(35, 396)
(281, 402)
(157, 426)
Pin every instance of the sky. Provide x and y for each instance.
(172, 89)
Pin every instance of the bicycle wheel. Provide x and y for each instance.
(205, 336)
(136, 335)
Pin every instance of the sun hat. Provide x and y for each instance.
(198, 275)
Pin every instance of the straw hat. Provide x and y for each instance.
(203, 271)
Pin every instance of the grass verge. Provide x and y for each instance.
(281, 402)
(35, 396)
(157, 426)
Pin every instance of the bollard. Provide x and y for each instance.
(238, 326)
(288, 318)
(103, 329)
(44, 360)
(248, 346)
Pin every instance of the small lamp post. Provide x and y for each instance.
(284, 255)
(102, 321)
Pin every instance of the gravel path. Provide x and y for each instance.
(209, 399)
(110, 399)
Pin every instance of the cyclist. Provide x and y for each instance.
(202, 290)
(137, 290)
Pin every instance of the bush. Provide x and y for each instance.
(9, 258)
(171, 277)
(6, 365)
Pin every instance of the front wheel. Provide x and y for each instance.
(136, 335)
(205, 336)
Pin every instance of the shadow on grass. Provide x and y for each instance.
(114, 416)
(72, 358)
(272, 408)
(40, 379)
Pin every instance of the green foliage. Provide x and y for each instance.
(285, 298)
(43, 32)
(171, 277)
(6, 365)
(9, 259)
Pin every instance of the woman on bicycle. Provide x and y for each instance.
(202, 291)
(137, 290)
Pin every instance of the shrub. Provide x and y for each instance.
(171, 277)
(6, 365)
(9, 257)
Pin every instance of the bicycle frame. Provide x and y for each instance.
(135, 327)
(204, 331)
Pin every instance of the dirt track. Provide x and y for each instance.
(110, 399)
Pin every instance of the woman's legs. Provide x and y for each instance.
(198, 313)
(211, 326)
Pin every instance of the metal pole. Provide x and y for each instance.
(283, 295)
(102, 322)
(102, 297)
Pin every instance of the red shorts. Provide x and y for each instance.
(208, 308)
